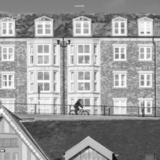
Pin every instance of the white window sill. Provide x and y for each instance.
(120, 87)
(145, 87)
(145, 35)
(119, 35)
(141, 60)
(6, 88)
(7, 60)
(120, 60)
(8, 35)
(43, 35)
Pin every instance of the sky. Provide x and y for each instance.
(90, 6)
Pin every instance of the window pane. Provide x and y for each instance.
(46, 75)
(48, 31)
(87, 86)
(6, 142)
(86, 48)
(80, 48)
(80, 59)
(80, 75)
(46, 59)
(40, 49)
(40, 59)
(40, 31)
(86, 31)
(40, 75)
(116, 24)
(4, 50)
(87, 102)
(85, 24)
(78, 24)
(80, 86)
(86, 58)
(40, 85)
(46, 86)
(46, 48)
(4, 56)
(116, 56)
(78, 31)
(87, 75)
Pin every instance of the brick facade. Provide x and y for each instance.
(101, 28)
(19, 66)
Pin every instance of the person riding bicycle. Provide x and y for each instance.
(77, 105)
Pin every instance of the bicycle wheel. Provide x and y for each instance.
(84, 112)
(72, 112)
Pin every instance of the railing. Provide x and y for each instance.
(105, 110)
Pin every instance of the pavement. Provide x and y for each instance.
(36, 117)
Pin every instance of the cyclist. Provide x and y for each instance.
(77, 105)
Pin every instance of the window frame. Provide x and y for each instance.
(120, 107)
(55, 81)
(120, 46)
(43, 54)
(8, 74)
(31, 81)
(83, 81)
(145, 20)
(95, 54)
(44, 81)
(145, 74)
(31, 54)
(84, 54)
(7, 20)
(71, 60)
(145, 47)
(81, 21)
(144, 101)
(7, 48)
(119, 20)
(120, 73)
(71, 80)
(43, 22)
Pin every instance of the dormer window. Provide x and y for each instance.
(44, 26)
(82, 26)
(119, 26)
(7, 27)
(145, 26)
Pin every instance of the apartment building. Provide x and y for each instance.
(111, 60)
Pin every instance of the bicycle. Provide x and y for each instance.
(80, 112)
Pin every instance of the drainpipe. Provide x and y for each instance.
(155, 79)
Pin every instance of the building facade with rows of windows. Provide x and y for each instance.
(111, 60)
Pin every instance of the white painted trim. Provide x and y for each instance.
(119, 72)
(145, 72)
(119, 45)
(146, 45)
(85, 143)
(123, 99)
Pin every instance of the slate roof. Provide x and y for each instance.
(101, 23)
(21, 126)
(129, 139)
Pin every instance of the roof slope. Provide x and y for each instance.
(20, 125)
(130, 139)
(101, 23)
